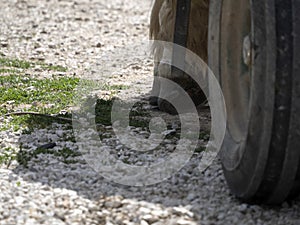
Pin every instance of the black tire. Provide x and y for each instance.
(261, 150)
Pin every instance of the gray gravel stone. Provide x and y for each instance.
(80, 35)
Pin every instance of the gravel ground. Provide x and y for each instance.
(81, 35)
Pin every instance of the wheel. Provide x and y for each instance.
(254, 52)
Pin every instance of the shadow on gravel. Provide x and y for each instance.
(58, 164)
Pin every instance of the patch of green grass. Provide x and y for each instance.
(41, 122)
(39, 93)
(15, 63)
(138, 117)
(67, 155)
(54, 68)
(10, 71)
(108, 87)
(22, 92)
(103, 111)
(23, 64)
(200, 149)
(204, 135)
(7, 155)
(90, 84)
(143, 123)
